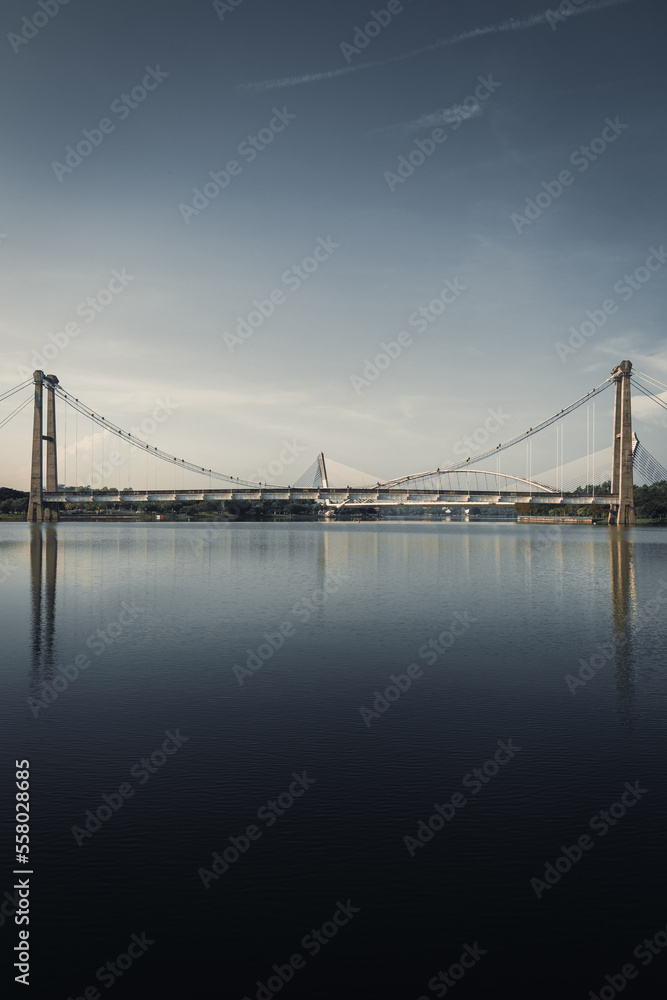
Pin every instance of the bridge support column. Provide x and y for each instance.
(622, 511)
(51, 512)
(35, 506)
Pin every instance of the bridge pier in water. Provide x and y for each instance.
(37, 509)
(623, 511)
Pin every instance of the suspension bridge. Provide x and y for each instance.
(467, 482)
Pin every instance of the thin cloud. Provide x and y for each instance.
(443, 116)
(513, 24)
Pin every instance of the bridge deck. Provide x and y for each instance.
(348, 496)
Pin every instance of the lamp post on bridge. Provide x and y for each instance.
(623, 511)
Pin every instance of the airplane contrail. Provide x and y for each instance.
(513, 24)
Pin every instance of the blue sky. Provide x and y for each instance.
(515, 92)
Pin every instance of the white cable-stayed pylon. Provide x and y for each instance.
(339, 476)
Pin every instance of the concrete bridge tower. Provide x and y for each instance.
(37, 510)
(623, 510)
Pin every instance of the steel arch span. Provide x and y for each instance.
(470, 481)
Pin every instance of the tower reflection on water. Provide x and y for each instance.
(624, 618)
(43, 575)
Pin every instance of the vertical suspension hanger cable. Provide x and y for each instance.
(63, 407)
(593, 456)
(588, 444)
(562, 456)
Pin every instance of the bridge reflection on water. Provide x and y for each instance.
(367, 544)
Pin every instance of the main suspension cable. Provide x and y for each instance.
(146, 448)
(650, 379)
(515, 440)
(651, 395)
(15, 412)
(17, 388)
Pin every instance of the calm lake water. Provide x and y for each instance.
(256, 647)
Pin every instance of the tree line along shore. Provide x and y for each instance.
(650, 507)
